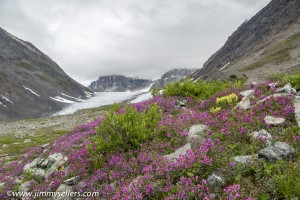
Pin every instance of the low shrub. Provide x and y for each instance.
(127, 129)
(282, 79)
(199, 89)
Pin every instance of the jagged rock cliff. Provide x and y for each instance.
(267, 43)
(118, 83)
(172, 76)
(31, 84)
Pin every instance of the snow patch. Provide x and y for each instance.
(60, 99)
(88, 94)
(102, 99)
(142, 97)
(26, 88)
(6, 99)
(197, 79)
(1, 104)
(224, 67)
(76, 99)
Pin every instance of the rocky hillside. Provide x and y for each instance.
(267, 43)
(31, 84)
(238, 142)
(118, 83)
(172, 76)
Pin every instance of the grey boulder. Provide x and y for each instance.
(247, 93)
(279, 151)
(271, 120)
(244, 103)
(216, 180)
(178, 152)
(27, 186)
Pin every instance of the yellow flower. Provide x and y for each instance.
(229, 99)
(214, 110)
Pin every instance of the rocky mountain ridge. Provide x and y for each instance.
(31, 84)
(269, 42)
(172, 76)
(118, 83)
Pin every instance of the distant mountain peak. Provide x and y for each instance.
(118, 83)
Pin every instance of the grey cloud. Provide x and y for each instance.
(133, 37)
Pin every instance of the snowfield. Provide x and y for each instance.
(106, 98)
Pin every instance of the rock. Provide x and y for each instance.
(279, 151)
(181, 103)
(272, 85)
(245, 159)
(72, 181)
(82, 184)
(38, 172)
(263, 135)
(55, 157)
(180, 151)
(216, 180)
(254, 84)
(4, 146)
(17, 181)
(27, 186)
(31, 165)
(297, 109)
(2, 185)
(285, 89)
(274, 96)
(43, 163)
(64, 189)
(247, 93)
(27, 141)
(274, 120)
(196, 132)
(44, 146)
(54, 166)
(244, 104)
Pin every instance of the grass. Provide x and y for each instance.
(287, 44)
(27, 66)
(16, 145)
(276, 58)
(293, 78)
(277, 54)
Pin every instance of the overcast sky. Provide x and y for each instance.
(141, 38)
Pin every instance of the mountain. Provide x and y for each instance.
(31, 84)
(267, 43)
(118, 83)
(172, 76)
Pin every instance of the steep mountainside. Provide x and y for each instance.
(267, 43)
(172, 76)
(118, 83)
(31, 84)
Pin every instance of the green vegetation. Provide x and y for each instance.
(276, 58)
(15, 145)
(286, 45)
(278, 54)
(282, 79)
(126, 129)
(199, 89)
(27, 66)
